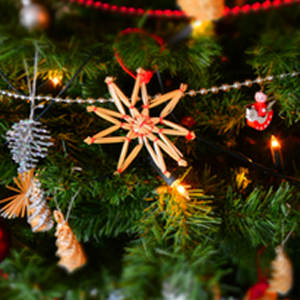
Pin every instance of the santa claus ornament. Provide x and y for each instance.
(259, 114)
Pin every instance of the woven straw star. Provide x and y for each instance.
(140, 125)
(18, 203)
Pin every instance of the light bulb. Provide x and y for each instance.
(276, 153)
(181, 189)
(274, 142)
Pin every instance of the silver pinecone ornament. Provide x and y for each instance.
(27, 142)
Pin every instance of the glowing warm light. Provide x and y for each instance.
(276, 153)
(274, 142)
(181, 189)
(56, 80)
(55, 77)
(202, 28)
(196, 23)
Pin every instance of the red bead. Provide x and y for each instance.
(168, 12)
(188, 121)
(246, 8)
(256, 6)
(98, 4)
(140, 11)
(227, 11)
(124, 9)
(131, 10)
(236, 10)
(266, 4)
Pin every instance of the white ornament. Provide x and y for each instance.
(34, 16)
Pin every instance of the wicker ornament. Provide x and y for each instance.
(39, 214)
(140, 125)
(203, 10)
(30, 198)
(27, 142)
(282, 276)
(69, 250)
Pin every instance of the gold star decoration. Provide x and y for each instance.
(140, 125)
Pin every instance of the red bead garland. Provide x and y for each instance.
(181, 14)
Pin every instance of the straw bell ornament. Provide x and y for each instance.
(69, 250)
(282, 273)
(39, 214)
(203, 10)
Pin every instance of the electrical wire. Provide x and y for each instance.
(71, 80)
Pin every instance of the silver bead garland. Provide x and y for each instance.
(28, 141)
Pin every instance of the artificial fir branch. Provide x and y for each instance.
(112, 213)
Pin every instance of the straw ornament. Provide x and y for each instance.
(29, 198)
(69, 250)
(282, 276)
(140, 125)
(203, 10)
(39, 214)
(18, 203)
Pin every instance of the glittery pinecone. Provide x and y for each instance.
(27, 142)
(39, 214)
(282, 273)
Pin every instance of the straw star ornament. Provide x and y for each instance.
(140, 125)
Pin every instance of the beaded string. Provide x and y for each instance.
(168, 13)
(203, 91)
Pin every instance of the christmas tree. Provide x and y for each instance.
(147, 152)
